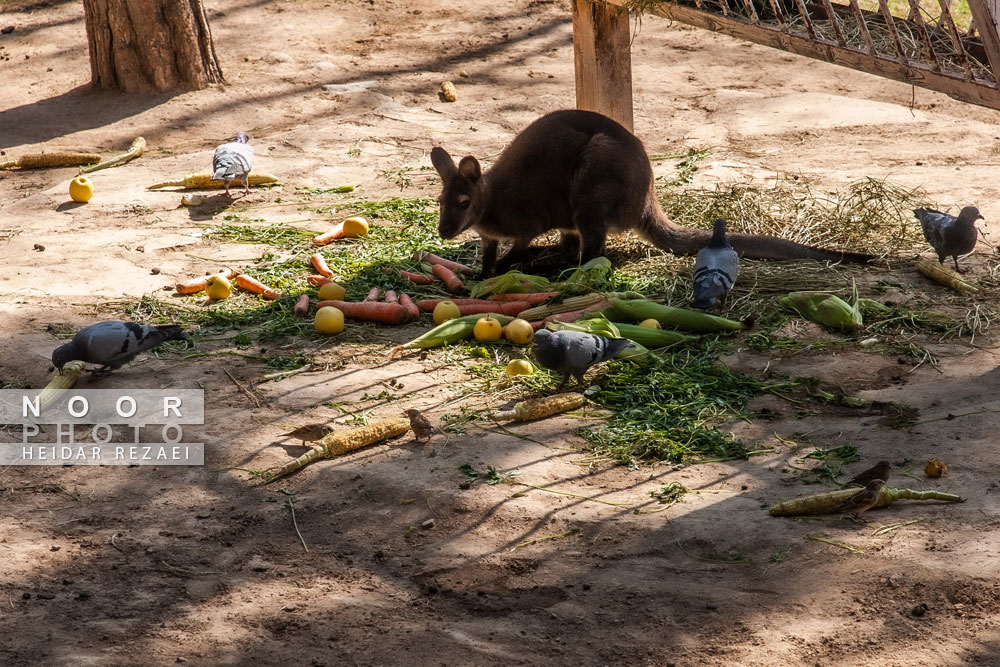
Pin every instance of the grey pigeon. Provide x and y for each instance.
(573, 352)
(233, 161)
(113, 343)
(715, 269)
(948, 235)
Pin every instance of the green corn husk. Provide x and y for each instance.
(511, 282)
(827, 502)
(824, 308)
(449, 332)
(653, 338)
(592, 274)
(674, 318)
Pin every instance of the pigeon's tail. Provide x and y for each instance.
(719, 235)
(710, 285)
(171, 332)
(223, 173)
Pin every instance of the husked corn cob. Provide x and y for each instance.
(537, 408)
(135, 150)
(825, 502)
(60, 383)
(451, 331)
(203, 180)
(675, 318)
(823, 308)
(448, 91)
(45, 160)
(343, 442)
(566, 306)
(944, 276)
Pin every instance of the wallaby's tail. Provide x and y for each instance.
(667, 235)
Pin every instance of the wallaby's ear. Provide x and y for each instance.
(469, 168)
(445, 166)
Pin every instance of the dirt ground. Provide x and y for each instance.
(99, 566)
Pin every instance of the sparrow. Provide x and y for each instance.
(309, 433)
(863, 500)
(878, 471)
(422, 429)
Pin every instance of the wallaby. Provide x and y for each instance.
(585, 175)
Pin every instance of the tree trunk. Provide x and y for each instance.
(139, 46)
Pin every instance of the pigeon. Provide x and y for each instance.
(233, 161)
(422, 429)
(878, 471)
(948, 235)
(863, 500)
(573, 352)
(309, 433)
(113, 343)
(715, 269)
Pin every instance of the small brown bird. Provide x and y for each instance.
(422, 429)
(309, 433)
(863, 500)
(878, 471)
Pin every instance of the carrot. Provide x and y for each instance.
(511, 308)
(417, 278)
(534, 298)
(318, 281)
(370, 311)
(424, 256)
(452, 282)
(390, 296)
(301, 308)
(321, 265)
(428, 305)
(198, 284)
(411, 308)
(348, 228)
(372, 295)
(257, 287)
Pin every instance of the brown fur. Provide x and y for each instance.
(585, 175)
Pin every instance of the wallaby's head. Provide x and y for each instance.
(462, 195)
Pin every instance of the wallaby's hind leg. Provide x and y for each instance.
(519, 252)
(569, 246)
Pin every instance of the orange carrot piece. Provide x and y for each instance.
(318, 281)
(417, 278)
(390, 296)
(411, 308)
(512, 308)
(373, 294)
(534, 298)
(198, 284)
(424, 256)
(321, 266)
(257, 287)
(301, 308)
(328, 237)
(428, 305)
(370, 311)
(451, 281)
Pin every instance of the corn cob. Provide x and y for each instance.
(826, 502)
(448, 332)
(944, 276)
(567, 306)
(60, 383)
(343, 442)
(675, 318)
(134, 151)
(536, 408)
(45, 160)
(448, 91)
(203, 181)
(824, 308)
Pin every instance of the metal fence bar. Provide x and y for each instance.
(956, 40)
(918, 20)
(891, 27)
(863, 28)
(835, 22)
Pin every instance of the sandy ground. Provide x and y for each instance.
(99, 566)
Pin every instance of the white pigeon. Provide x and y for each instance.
(233, 161)
(715, 269)
(113, 343)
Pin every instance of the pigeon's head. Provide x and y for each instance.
(62, 355)
(463, 195)
(543, 337)
(242, 138)
(969, 214)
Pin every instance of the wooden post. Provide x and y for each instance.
(984, 13)
(603, 59)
